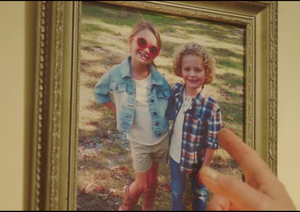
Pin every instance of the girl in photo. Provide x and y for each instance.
(142, 104)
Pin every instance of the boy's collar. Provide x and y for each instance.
(196, 99)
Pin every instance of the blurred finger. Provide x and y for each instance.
(218, 203)
(200, 181)
(254, 168)
(243, 196)
(198, 178)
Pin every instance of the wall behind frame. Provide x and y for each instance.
(289, 97)
(12, 104)
(12, 101)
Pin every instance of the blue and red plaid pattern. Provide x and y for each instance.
(202, 122)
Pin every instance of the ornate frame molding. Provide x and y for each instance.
(56, 90)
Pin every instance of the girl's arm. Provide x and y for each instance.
(102, 89)
(110, 105)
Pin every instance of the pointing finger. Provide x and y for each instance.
(243, 196)
(254, 168)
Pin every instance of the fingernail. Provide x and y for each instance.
(210, 173)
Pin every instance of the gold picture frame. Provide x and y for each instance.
(55, 42)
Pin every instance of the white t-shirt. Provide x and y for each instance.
(142, 131)
(176, 140)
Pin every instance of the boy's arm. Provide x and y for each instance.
(214, 126)
(209, 153)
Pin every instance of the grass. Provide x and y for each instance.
(88, 28)
(104, 159)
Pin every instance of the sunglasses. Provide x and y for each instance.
(142, 44)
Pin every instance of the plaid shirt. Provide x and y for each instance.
(202, 122)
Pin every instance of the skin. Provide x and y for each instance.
(193, 74)
(207, 161)
(263, 191)
(140, 59)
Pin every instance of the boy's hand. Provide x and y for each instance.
(198, 176)
(209, 153)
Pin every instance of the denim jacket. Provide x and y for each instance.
(118, 80)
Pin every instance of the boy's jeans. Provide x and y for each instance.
(178, 183)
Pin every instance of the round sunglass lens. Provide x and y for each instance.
(153, 50)
(142, 42)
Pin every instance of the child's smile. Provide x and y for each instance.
(144, 55)
(192, 81)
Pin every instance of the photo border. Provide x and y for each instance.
(52, 158)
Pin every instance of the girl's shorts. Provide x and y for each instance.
(143, 156)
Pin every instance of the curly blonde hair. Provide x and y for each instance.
(198, 50)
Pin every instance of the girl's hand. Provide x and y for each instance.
(263, 191)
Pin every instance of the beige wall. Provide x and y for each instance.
(289, 98)
(12, 82)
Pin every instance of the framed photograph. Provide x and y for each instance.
(78, 158)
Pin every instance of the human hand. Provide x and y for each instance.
(263, 191)
(198, 176)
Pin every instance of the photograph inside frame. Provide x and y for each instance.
(104, 157)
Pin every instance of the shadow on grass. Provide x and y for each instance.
(101, 163)
(167, 24)
(125, 16)
(168, 49)
(227, 58)
(99, 202)
(168, 68)
(230, 83)
(233, 117)
(112, 15)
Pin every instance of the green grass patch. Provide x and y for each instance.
(90, 28)
(228, 63)
(168, 49)
(233, 79)
(99, 163)
(168, 68)
(112, 150)
(88, 43)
